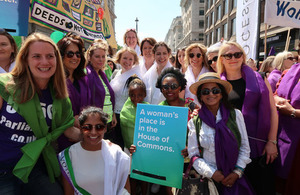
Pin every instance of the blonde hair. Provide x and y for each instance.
(203, 51)
(125, 36)
(278, 62)
(267, 63)
(223, 50)
(123, 50)
(98, 44)
(23, 79)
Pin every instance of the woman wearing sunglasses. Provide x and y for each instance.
(94, 165)
(212, 54)
(283, 61)
(217, 140)
(71, 48)
(35, 111)
(8, 51)
(252, 95)
(195, 56)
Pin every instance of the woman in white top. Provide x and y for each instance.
(218, 138)
(161, 54)
(129, 61)
(131, 40)
(195, 57)
(8, 51)
(147, 55)
(94, 165)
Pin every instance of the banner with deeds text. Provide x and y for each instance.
(246, 26)
(159, 137)
(14, 16)
(88, 18)
(282, 13)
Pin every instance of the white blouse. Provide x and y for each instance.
(189, 76)
(154, 96)
(206, 166)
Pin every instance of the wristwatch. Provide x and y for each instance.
(293, 114)
(273, 141)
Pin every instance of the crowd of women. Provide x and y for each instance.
(71, 110)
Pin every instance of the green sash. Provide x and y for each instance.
(66, 164)
(31, 111)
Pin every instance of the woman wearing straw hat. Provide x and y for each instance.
(218, 137)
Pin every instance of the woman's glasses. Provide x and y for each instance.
(229, 56)
(89, 127)
(70, 54)
(191, 55)
(212, 60)
(172, 86)
(214, 91)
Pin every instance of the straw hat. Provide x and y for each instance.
(210, 77)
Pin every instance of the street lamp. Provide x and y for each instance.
(136, 26)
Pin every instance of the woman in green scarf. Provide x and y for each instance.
(35, 111)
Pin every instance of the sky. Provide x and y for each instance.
(155, 17)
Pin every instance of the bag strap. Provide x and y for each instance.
(192, 160)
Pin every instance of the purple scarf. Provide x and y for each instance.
(288, 131)
(256, 109)
(97, 88)
(273, 78)
(226, 149)
(78, 99)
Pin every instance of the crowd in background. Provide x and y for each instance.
(64, 106)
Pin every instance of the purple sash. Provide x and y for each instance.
(288, 131)
(273, 78)
(256, 109)
(97, 88)
(226, 149)
(78, 99)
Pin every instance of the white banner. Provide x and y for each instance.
(282, 13)
(246, 26)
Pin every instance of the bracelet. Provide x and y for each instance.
(236, 166)
(238, 172)
(293, 114)
(273, 141)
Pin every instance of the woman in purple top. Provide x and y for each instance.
(252, 95)
(288, 104)
(102, 95)
(282, 61)
(71, 48)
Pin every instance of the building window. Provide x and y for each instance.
(225, 7)
(207, 22)
(233, 29)
(201, 12)
(201, 24)
(201, 1)
(201, 36)
(212, 37)
(219, 12)
(212, 18)
(218, 34)
(208, 4)
(225, 28)
(207, 39)
(234, 4)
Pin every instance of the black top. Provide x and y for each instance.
(237, 95)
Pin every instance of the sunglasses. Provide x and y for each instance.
(89, 127)
(173, 86)
(70, 54)
(191, 55)
(214, 91)
(212, 60)
(236, 55)
(290, 58)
